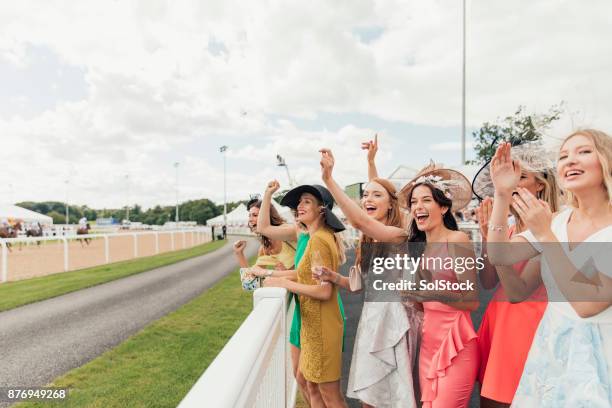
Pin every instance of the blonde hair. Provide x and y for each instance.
(342, 246)
(550, 193)
(603, 149)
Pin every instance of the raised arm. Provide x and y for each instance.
(285, 232)
(372, 148)
(356, 216)
(239, 247)
(505, 174)
(488, 274)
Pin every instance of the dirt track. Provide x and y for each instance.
(31, 260)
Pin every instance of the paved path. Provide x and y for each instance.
(43, 340)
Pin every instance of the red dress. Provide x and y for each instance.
(504, 340)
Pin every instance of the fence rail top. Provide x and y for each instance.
(228, 377)
(92, 236)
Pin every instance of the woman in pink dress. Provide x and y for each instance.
(508, 327)
(448, 359)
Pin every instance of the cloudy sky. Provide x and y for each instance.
(107, 95)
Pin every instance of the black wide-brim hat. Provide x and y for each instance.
(292, 199)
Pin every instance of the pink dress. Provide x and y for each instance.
(504, 340)
(448, 359)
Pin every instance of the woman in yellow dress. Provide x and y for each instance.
(272, 254)
(322, 323)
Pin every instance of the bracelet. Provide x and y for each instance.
(497, 227)
(337, 278)
(269, 273)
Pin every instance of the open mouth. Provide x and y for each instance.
(370, 209)
(572, 173)
(421, 217)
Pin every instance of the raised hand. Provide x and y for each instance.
(505, 172)
(327, 163)
(272, 187)
(239, 246)
(536, 214)
(372, 148)
(484, 215)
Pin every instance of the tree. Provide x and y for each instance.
(517, 128)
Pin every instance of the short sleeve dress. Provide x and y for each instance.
(322, 323)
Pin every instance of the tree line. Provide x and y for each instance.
(193, 210)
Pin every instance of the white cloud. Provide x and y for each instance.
(170, 75)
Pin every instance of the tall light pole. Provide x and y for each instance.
(127, 197)
(223, 149)
(463, 87)
(67, 208)
(282, 163)
(176, 215)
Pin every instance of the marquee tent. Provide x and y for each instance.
(9, 211)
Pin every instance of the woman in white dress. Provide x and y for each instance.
(384, 354)
(570, 361)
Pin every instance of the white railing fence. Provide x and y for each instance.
(254, 368)
(22, 258)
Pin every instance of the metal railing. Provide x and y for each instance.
(254, 368)
(39, 256)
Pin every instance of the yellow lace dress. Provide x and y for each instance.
(322, 324)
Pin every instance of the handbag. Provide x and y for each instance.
(355, 283)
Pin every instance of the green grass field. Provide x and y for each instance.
(158, 366)
(15, 294)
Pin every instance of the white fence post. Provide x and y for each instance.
(106, 250)
(156, 242)
(172, 239)
(184, 240)
(66, 263)
(135, 245)
(4, 261)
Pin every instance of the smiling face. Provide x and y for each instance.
(308, 209)
(426, 212)
(376, 201)
(253, 214)
(579, 167)
(530, 182)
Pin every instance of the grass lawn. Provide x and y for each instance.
(158, 366)
(14, 294)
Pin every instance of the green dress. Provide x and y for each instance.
(296, 323)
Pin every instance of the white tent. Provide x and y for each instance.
(239, 216)
(9, 211)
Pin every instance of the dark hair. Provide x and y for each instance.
(414, 234)
(275, 220)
